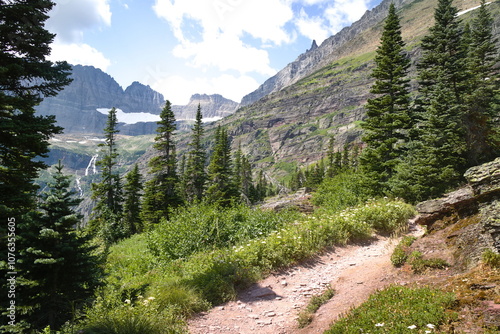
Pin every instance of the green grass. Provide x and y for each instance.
(400, 253)
(148, 290)
(398, 309)
(307, 315)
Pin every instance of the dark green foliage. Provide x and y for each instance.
(204, 226)
(222, 188)
(400, 253)
(195, 174)
(482, 104)
(57, 269)
(107, 214)
(343, 190)
(132, 203)
(387, 124)
(162, 191)
(435, 161)
(243, 178)
(26, 77)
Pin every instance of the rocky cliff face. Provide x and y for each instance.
(316, 57)
(474, 210)
(292, 125)
(212, 107)
(76, 106)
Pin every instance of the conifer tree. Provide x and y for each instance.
(132, 201)
(222, 189)
(26, 78)
(57, 264)
(436, 160)
(387, 120)
(482, 105)
(108, 193)
(162, 191)
(196, 176)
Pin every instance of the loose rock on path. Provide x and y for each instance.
(272, 305)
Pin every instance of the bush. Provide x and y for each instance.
(143, 316)
(341, 191)
(491, 258)
(400, 254)
(419, 264)
(397, 310)
(202, 227)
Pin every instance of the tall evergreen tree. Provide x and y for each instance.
(387, 120)
(196, 176)
(482, 105)
(108, 193)
(26, 77)
(221, 189)
(436, 160)
(162, 191)
(58, 267)
(132, 201)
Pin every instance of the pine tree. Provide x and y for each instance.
(26, 78)
(195, 167)
(162, 191)
(330, 156)
(132, 202)
(436, 160)
(388, 121)
(482, 105)
(108, 193)
(58, 267)
(221, 187)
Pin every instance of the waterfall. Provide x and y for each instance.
(92, 165)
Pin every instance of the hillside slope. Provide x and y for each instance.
(292, 126)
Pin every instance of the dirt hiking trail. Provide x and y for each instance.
(272, 305)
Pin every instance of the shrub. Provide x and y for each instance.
(341, 191)
(143, 316)
(400, 254)
(419, 264)
(396, 310)
(202, 227)
(307, 315)
(491, 258)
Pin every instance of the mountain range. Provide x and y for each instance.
(288, 121)
(81, 108)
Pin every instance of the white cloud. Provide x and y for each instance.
(226, 53)
(222, 25)
(70, 18)
(179, 89)
(312, 27)
(82, 54)
(344, 12)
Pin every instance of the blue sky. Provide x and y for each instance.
(183, 47)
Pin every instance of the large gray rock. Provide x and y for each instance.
(475, 206)
(485, 178)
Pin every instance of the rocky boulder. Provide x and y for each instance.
(474, 210)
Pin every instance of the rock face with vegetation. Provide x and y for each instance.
(474, 208)
(289, 120)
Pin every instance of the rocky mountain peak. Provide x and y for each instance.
(313, 47)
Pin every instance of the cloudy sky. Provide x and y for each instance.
(182, 47)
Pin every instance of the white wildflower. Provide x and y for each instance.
(412, 327)
(380, 324)
(431, 326)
